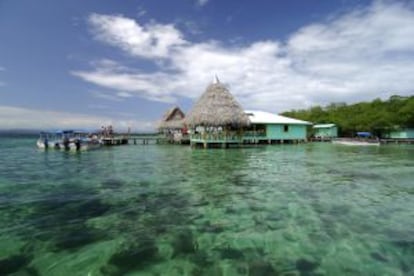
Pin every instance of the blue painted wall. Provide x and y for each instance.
(326, 132)
(407, 133)
(293, 132)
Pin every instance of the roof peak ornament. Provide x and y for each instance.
(216, 79)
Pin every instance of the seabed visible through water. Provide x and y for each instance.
(308, 209)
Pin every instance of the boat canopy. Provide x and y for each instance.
(58, 133)
(364, 134)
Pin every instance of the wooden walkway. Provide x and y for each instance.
(397, 141)
(132, 139)
(146, 139)
(114, 141)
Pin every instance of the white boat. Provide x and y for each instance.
(67, 140)
(86, 141)
(50, 140)
(356, 142)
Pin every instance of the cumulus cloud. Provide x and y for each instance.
(360, 55)
(141, 12)
(106, 96)
(124, 95)
(150, 86)
(202, 2)
(149, 41)
(12, 117)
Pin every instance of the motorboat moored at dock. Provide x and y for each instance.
(69, 140)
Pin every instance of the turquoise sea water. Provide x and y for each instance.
(311, 209)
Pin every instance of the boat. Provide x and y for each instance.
(50, 140)
(69, 140)
(86, 140)
(363, 138)
(356, 142)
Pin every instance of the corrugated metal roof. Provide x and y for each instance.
(324, 126)
(262, 117)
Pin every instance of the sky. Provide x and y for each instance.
(84, 64)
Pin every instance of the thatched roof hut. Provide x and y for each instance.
(172, 119)
(217, 107)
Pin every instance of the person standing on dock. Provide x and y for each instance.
(103, 131)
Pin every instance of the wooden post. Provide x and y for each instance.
(254, 134)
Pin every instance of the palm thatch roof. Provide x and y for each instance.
(172, 119)
(217, 107)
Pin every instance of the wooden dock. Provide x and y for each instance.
(114, 141)
(132, 139)
(396, 141)
(387, 141)
(151, 139)
(146, 139)
(321, 139)
(136, 139)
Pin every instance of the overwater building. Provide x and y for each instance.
(173, 127)
(402, 133)
(325, 131)
(271, 128)
(216, 119)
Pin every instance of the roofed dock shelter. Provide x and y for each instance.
(173, 128)
(217, 119)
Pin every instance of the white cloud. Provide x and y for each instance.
(202, 2)
(124, 95)
(150, 86)
(97, 106)
(141, 12)
(106, 96)
(149, 41)
(360, 55)
(17, 117)
(188, 26)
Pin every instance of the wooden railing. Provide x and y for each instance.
(252, 134)
(219, 137)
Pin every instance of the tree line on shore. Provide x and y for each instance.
(378, 116)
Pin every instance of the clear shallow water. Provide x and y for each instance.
(313, 209)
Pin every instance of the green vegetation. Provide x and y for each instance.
(377, 116)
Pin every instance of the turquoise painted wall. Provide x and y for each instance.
(402, 134)
(326, 132)
(277, 132)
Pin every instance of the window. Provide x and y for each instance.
(286, 128)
